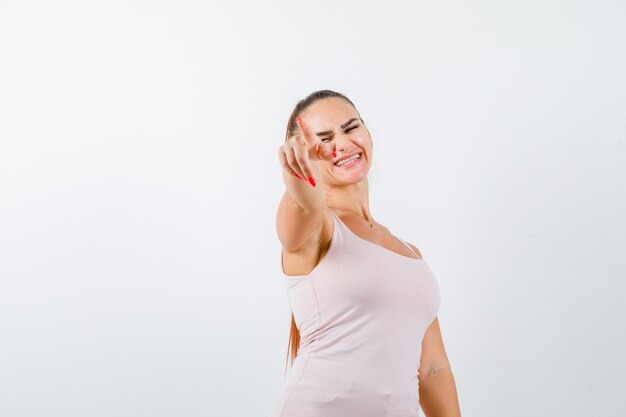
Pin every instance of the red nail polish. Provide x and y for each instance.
(334, 154)
(312, 181)
(298, 176)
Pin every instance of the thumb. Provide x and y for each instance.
(324, 152)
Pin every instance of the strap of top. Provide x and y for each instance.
(405, 244)
(333, 214)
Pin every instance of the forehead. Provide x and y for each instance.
(329, 113)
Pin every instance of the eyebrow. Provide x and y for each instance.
(343, 126)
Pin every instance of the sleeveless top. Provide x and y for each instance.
(362, 313)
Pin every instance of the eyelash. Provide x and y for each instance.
(349, 130)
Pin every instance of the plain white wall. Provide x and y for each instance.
(139, 262)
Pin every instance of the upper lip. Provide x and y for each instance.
(346, 156)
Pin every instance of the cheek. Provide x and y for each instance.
(362, 139)
(364, 142)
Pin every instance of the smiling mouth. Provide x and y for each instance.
(349, 161)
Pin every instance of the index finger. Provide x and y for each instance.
(305, 132)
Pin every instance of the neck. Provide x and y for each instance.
(353, 198)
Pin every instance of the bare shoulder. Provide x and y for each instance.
(416, 250)
(303, 260)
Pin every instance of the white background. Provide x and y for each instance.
(139, 261)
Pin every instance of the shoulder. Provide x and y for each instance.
(416, 250)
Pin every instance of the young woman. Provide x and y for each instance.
(365, 339)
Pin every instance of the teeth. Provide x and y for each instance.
(346, 161)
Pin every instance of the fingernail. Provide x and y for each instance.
(334, 154)
(298, 176)
(312, 181)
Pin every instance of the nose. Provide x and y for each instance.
(342, 143)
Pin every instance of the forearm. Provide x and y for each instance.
(438, 396)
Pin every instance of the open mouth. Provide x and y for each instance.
(349, 162)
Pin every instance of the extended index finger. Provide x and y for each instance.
(308, 137)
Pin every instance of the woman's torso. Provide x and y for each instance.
(362, 312)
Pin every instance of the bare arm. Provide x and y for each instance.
(303, 205)
(437, 387)
(295, 224)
